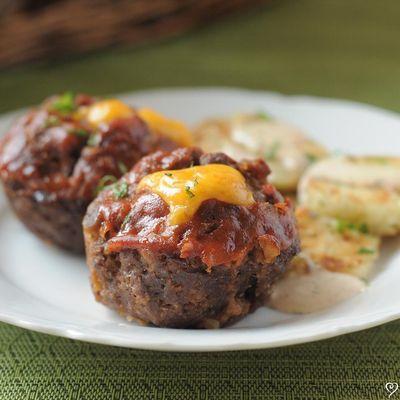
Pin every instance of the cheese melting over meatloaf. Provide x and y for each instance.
(105, 111)
(58, 156)
(233, 215)
(185, 190)
(212, 268)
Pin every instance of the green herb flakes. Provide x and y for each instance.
(52, 120)
(379, 160)
(64, 104)
(122, 167)
(365, 250)
(80, 132)
(311, 158)
(189, 192)
(169, 174)
(272, 151)
(363, 228)
(126, 221)
(342, 226)
(263, 115)
(120, 190)
(94, 140)
(105, 183)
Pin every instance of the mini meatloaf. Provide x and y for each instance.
(57, 157)
(188, 239)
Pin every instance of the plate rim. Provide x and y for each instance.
(172, 346)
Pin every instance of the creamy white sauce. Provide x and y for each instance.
(314, 291)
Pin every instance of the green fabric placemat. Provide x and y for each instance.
(42, 367)
(335, 48)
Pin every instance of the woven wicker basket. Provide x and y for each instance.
(37, 29)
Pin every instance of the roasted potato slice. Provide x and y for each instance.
(284, 147)
(335, 245)
(361, 190)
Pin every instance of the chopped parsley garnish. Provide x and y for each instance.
(168, 174)
(365, 250)
(342, 226)
(188, 189)
(65, 104)
(263, 115)
(94, 140)
(363, 228)
(126, 221)
(311, 158)
(80, 132)
(189, 192)
(105, 183)
(120, 190)
(272, 151)
(122, 167)
(379, 160)
(52, 120)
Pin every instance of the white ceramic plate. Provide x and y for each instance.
(46, 290)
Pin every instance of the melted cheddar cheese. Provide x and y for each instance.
(105, 111)
(185, 190)
(172, 129)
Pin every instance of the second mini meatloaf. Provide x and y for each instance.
(58, 156)
(188, 239)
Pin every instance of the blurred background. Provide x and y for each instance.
(336, 48)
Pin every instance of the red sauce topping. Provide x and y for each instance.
(52, 152)
(218, 234)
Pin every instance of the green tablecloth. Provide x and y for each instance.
(347, 49)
